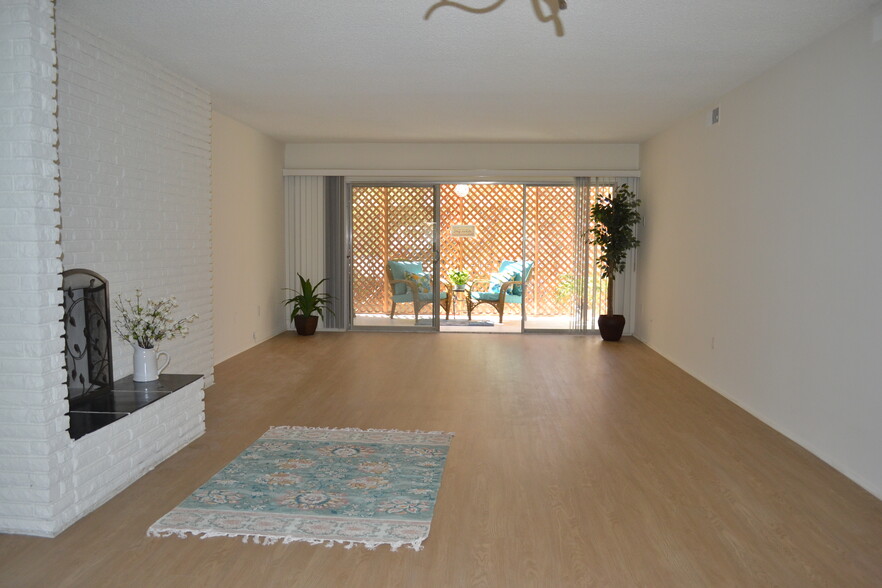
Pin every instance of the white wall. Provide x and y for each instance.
(760, 269)
(462, 156)
(134, 149)
(33, 439)
(247, 235)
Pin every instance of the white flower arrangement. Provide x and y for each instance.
(147, 323)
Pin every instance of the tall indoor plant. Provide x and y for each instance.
(308, 305)
(613, 232)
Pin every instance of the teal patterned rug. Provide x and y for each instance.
(324, 486)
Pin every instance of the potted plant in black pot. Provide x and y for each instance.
(613, 232)
(307, 306)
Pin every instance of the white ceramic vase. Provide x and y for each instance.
(146, 365)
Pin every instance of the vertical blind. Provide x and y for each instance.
(589, 300)
(335, 252)
(315, 235)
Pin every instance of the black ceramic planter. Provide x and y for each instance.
(305, 325)
(611, 326)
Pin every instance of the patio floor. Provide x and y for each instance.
(489, 323)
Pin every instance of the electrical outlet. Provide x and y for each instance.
(715, 116)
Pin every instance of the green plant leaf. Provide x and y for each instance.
(308, 302)
(613, 232)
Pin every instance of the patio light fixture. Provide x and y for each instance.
(461, 190)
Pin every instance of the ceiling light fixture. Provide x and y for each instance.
(554, 8)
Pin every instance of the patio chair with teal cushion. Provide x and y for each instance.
(409, 282)
(506, 285)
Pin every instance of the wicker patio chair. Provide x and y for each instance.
(506, 285)
(404, 277)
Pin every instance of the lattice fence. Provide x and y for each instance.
(395, 223)
(387, 223)
(497, 213)
(550, 231)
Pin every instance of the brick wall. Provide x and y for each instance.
(135, 155)
(111, 458)
(34, 445)
(134, 151)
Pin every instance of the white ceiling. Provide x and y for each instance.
(375, 70)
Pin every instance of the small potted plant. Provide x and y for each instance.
(308, 305)
(459, 278)
(143, 324)
(613, 232)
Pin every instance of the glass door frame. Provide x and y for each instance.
(435, 184)
(436, 255)
(525, 330)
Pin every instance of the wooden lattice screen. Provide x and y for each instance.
(395, 223)
(387, 223)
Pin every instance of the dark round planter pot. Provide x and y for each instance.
(611, 326)
(305, 325)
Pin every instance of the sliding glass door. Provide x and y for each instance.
(482, 238)
(409, 240)
(568, 292)
(394, 257)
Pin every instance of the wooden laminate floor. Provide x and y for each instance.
(575, 463)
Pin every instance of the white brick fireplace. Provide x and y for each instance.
(135, 158)
(130, 143)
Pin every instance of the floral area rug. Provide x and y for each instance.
(324, 486)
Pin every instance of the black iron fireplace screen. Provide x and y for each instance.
(87, 349)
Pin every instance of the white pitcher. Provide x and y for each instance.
(145, 364)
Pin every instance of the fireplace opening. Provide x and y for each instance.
(95, 399)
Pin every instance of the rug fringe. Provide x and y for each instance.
(353, 429)
(416, 545)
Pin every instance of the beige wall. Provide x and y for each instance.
(462, 156)
(760, 265)
(247, 235)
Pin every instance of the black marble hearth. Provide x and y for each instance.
(88, 359)
(92, 411)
